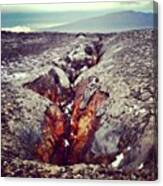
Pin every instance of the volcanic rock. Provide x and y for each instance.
(87, 99)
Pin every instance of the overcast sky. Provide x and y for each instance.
(142, 5)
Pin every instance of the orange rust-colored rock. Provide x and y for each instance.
(47, 86)
(83, 125)
(52, 93)
(53, 131)
(65, 140)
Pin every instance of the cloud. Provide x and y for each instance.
(18, 29)
(59, 7)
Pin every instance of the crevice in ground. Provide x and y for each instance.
(70, 122)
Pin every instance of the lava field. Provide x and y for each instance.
(79, 105)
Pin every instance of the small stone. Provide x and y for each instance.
(77, 168)
(145, 96)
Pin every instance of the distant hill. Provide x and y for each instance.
(119, 21)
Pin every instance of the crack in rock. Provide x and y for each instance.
(67, 129)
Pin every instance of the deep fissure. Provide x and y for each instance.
(70, 122)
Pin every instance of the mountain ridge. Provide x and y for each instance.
(118, 21)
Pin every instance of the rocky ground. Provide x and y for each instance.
(79, 106)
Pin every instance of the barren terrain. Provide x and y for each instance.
(79, 105)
